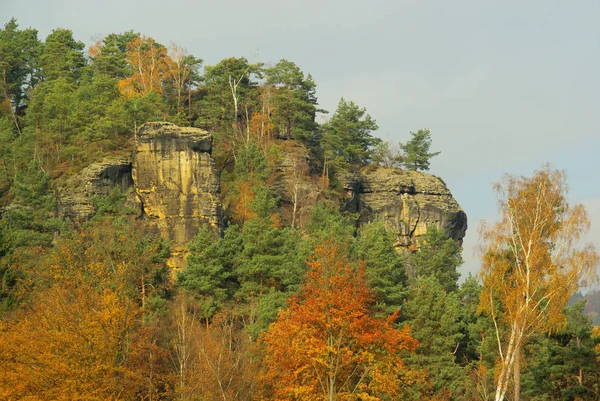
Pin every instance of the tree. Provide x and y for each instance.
(564, 365)
(209, 271)
(19, 59)
(416, 151)
(384, 265)
(230, 90)
(62, 56)
(438, 256)
(326, 345)
(148, 61)
(78, 343)
(294, 100)
(347, 137)
(109, 56)
(530, 266)
(182, 73)
(386, 155)
(434, 318)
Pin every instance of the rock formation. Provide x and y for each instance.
(176, 181)
(75, 195)
(172, 181)
(408, 201)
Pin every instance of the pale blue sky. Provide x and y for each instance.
(504, 86)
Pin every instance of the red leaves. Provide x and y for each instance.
(328, 344)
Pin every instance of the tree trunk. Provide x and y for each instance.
(517, 375)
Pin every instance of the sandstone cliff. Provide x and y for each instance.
(408, 201)
(172, 181)
(176, 181)
(75, 195)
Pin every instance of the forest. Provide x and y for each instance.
(289, 300)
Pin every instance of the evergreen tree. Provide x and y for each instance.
(346, 137)
(29, 220)
(62, 56)
(384, 265)
(328, 223)
(477, 350)
(109, 56)
(416, 151)
(269, 268)
(229, 92)
(294, 100)
(19, 69)
(433, 316)
(563, 365)
(209, 271)
(438, 256)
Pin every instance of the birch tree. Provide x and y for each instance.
(531, 265)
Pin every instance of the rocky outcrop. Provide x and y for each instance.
(75, 195)
(177, 183)
(408, 201)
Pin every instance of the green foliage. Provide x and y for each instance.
(19, 59)
(29, 220)
(328, 223)
(232, 81)
(438, 256)
(384, 265)
(384, 155)
(256, 267)
(110, 55)
(478, 346)
(346, 137)
(416, 151)
(251, 163)
(62, 56)
(271, 265)
(434, 318)
(7, 162)
(141, 109)
(112, 204)
(294, 100)
(264, 202)
(209, 271)
(563, 365)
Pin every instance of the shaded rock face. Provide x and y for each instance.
(98, 179)
(408, 202)
(177, 183)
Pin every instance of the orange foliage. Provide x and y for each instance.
(149, 61)
(245, 195)
(327, 345)
(213, 361)
(530, 264)
(596, 334)
(261, 127)
(94, 49)
(76, 343)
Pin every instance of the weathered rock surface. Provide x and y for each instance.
(408, 201)
(176, 180)
(75, 195)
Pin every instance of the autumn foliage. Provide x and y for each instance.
(77, 343)
(150, 65)
(531, 266)
(327, 345)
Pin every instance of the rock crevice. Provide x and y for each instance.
(407, 201)
(177, 183)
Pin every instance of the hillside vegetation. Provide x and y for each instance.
(292, 299)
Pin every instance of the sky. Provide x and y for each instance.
(504, 86)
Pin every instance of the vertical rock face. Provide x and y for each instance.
(177, 183)
(408, 201)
